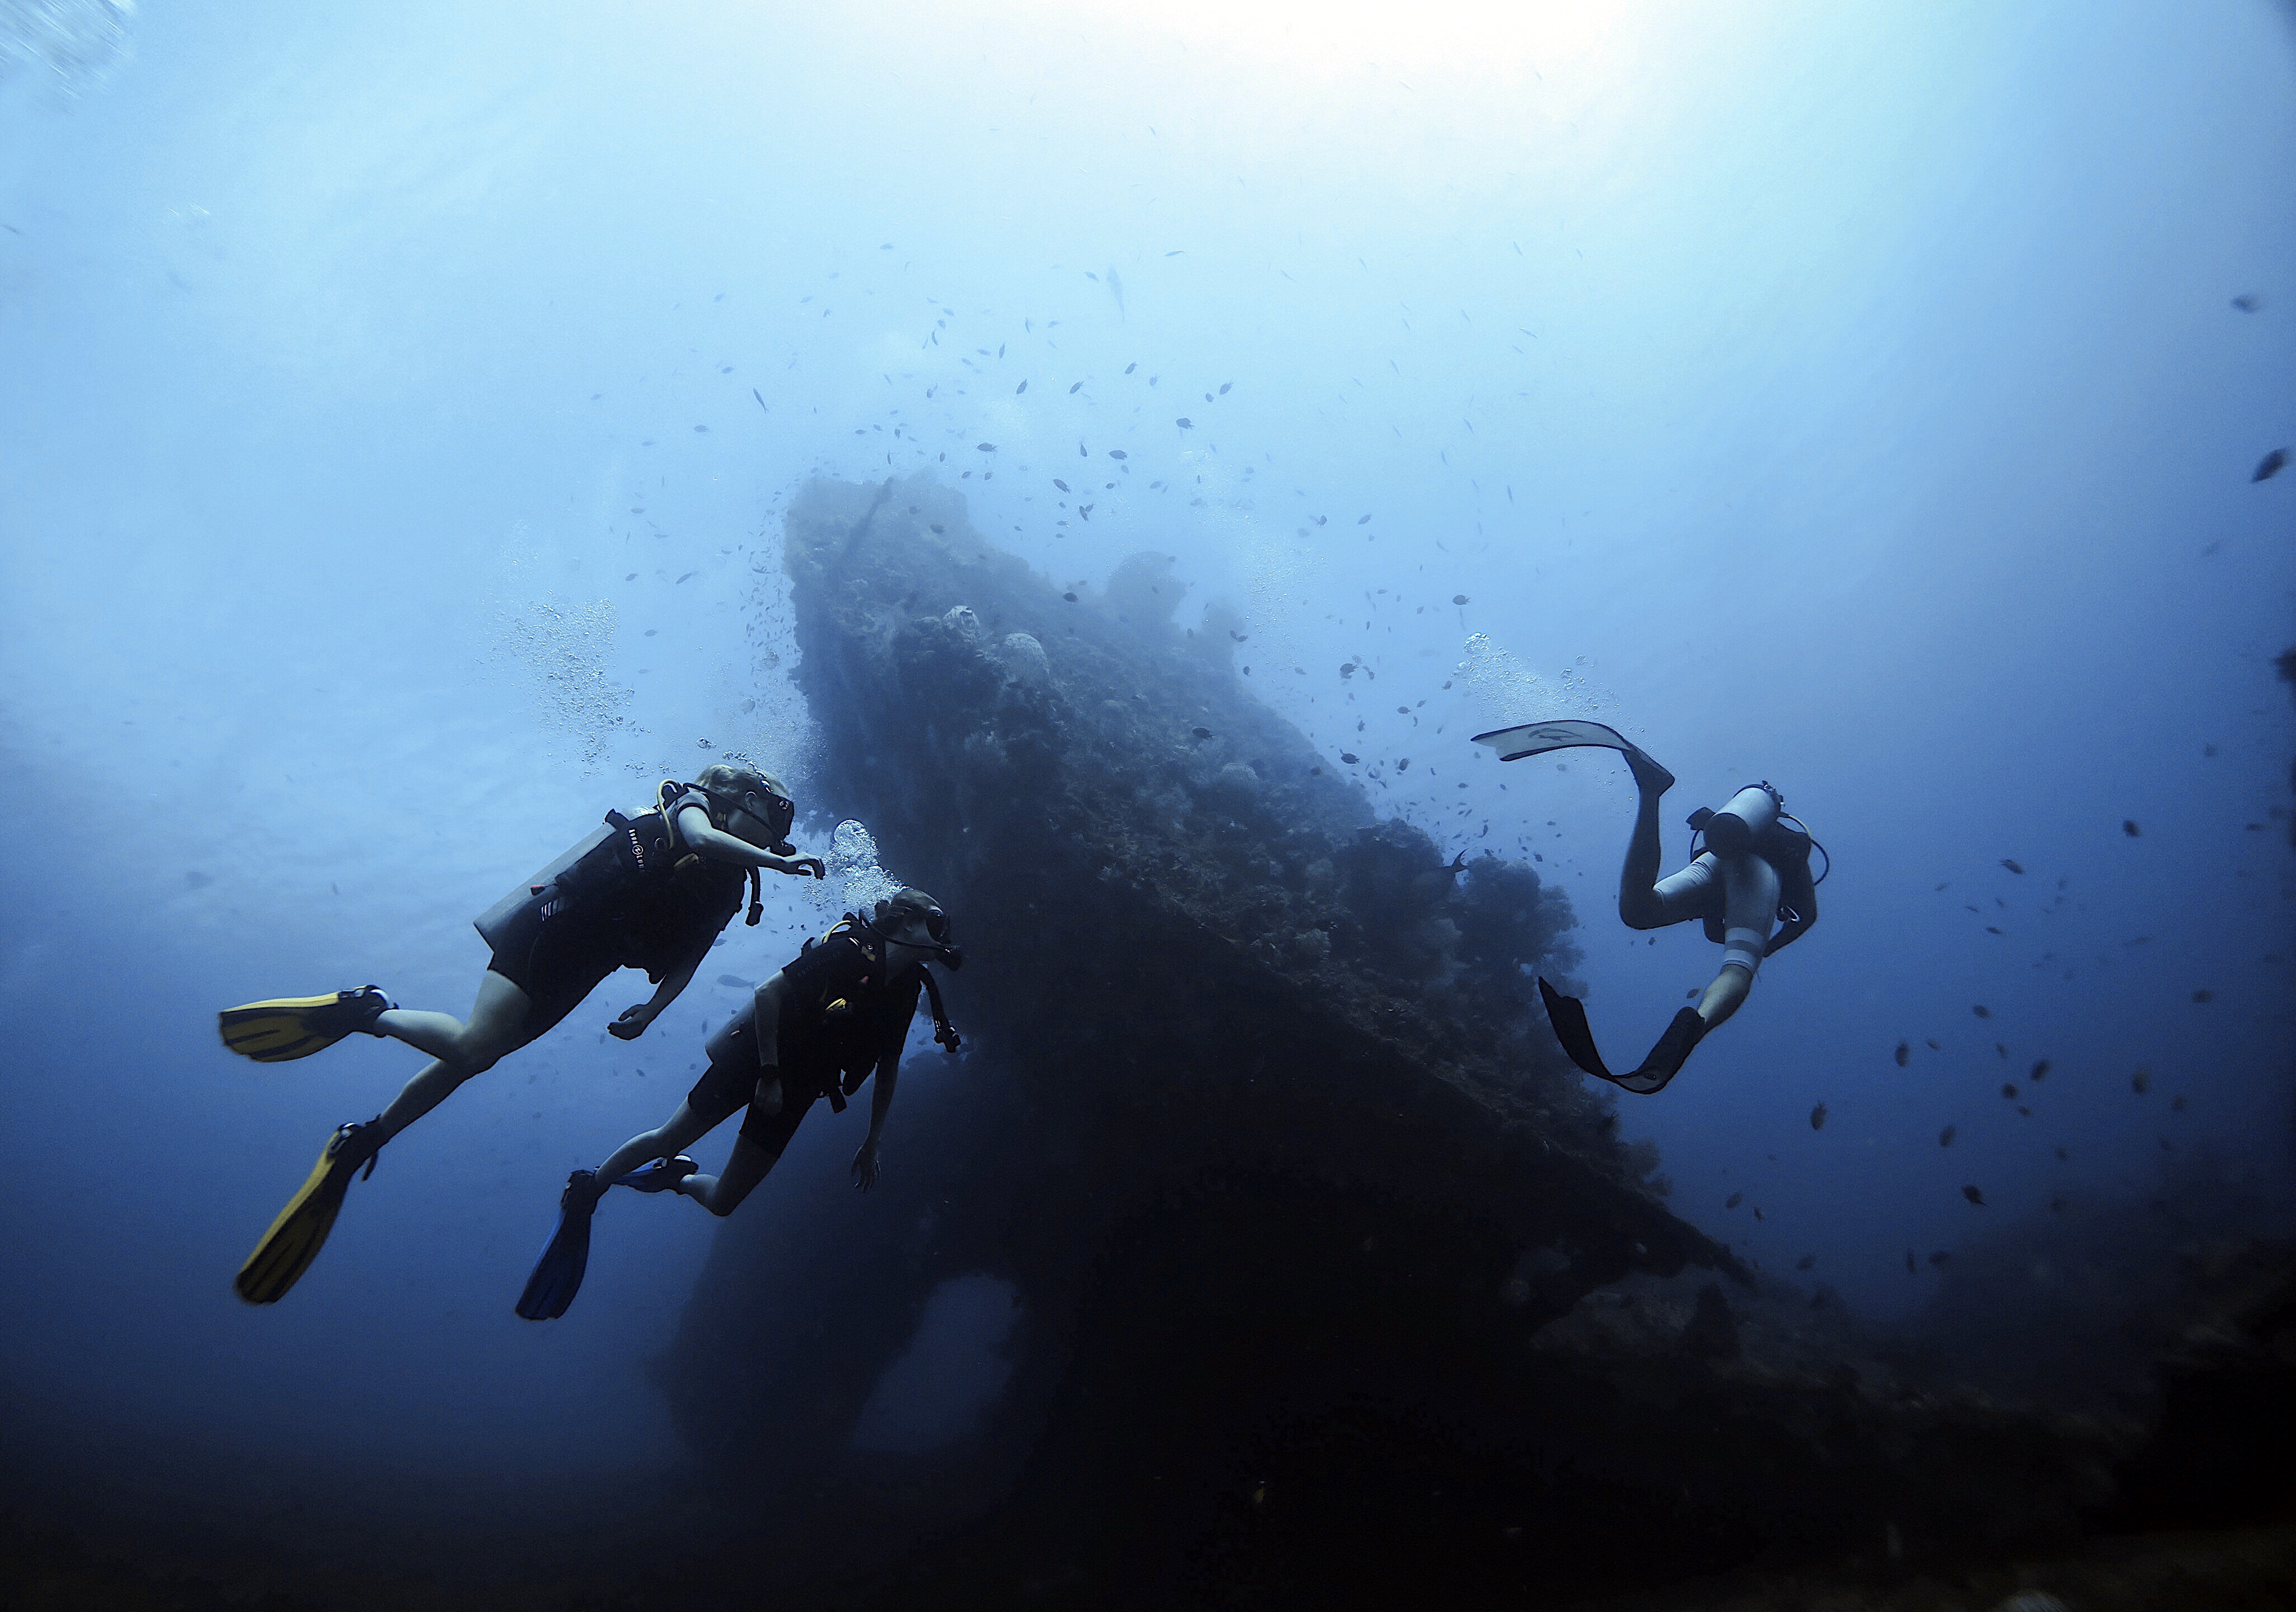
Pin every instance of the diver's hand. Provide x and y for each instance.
(768, 1095)
(866, 1167)
(804, 865)
(633, 1022)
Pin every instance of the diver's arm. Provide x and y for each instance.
(633, 1021)
(765, 1019)
(1799, 896)
(866, 1167)
(699, 833)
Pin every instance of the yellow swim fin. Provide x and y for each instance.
(300, 1232)
(295, 1026)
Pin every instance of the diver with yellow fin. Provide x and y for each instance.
(830, 1018)
(1751, 875)
(650, 891)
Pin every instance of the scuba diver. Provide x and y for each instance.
(650, 892)
(1751, 875)
(831, 1016)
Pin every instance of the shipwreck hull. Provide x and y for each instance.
(1259, 1119)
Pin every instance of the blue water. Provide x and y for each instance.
(398, 405)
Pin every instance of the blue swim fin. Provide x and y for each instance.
(662, 1175)
(558, 1274)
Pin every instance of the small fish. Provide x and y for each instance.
(1817, 1117)
(689, 576)
(2008, 1089)
(1458, 598)
(1019, 389)
(1071, 597)
(2062, 1154)
(2003, 1050)
(2140, 1083)
(633, 576)
(1117, 454)
(1076, 388)
(1185, 424)
(735, 980)
(1348, 757)
(2040, 1069)
(1758, 1213)
(1945, 1137)
(1975, 1196)
(2013, 864)
(1734, 1200)
(1363, 520)
(701, 429)
(1983, 1011)
(2128, 827)
(1912, 1269)
(1990, 929)
(1904, 1054)
(2271, 465)
(1201, 733)
(1403, 765)
(2204, 997)
(2246, 302)
(1060, 484)
(1223, 385)
(1931, 1042)
(1940, 1258)
(938, 528)
(1805, 1262)
(985, 447)
(2177, 1104)
(762, 402)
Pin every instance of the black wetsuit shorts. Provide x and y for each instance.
(731, 1082)
(557, 949)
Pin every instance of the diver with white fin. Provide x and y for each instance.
(1752, 876)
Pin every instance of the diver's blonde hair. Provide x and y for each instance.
(722, 779)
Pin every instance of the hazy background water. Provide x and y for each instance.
(396, 409)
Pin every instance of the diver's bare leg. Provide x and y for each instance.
(491, 1031)
(459, 1050)
(680, 1132)
(1727, 994)
(722, 1193)
(1639, 906)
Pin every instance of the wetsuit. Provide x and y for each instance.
(638, 899)
(838, 1019)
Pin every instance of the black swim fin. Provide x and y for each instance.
(558, 1274)
(1568, 1015)
(1666, 1059)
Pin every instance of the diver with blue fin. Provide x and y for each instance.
(1751, 875)
(651, 890)
(830, 1018)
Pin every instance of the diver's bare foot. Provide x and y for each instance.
(1650, 778)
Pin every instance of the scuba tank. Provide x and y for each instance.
(633, 852)
(1743, 822)
(489, 923)
(1756, 820)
